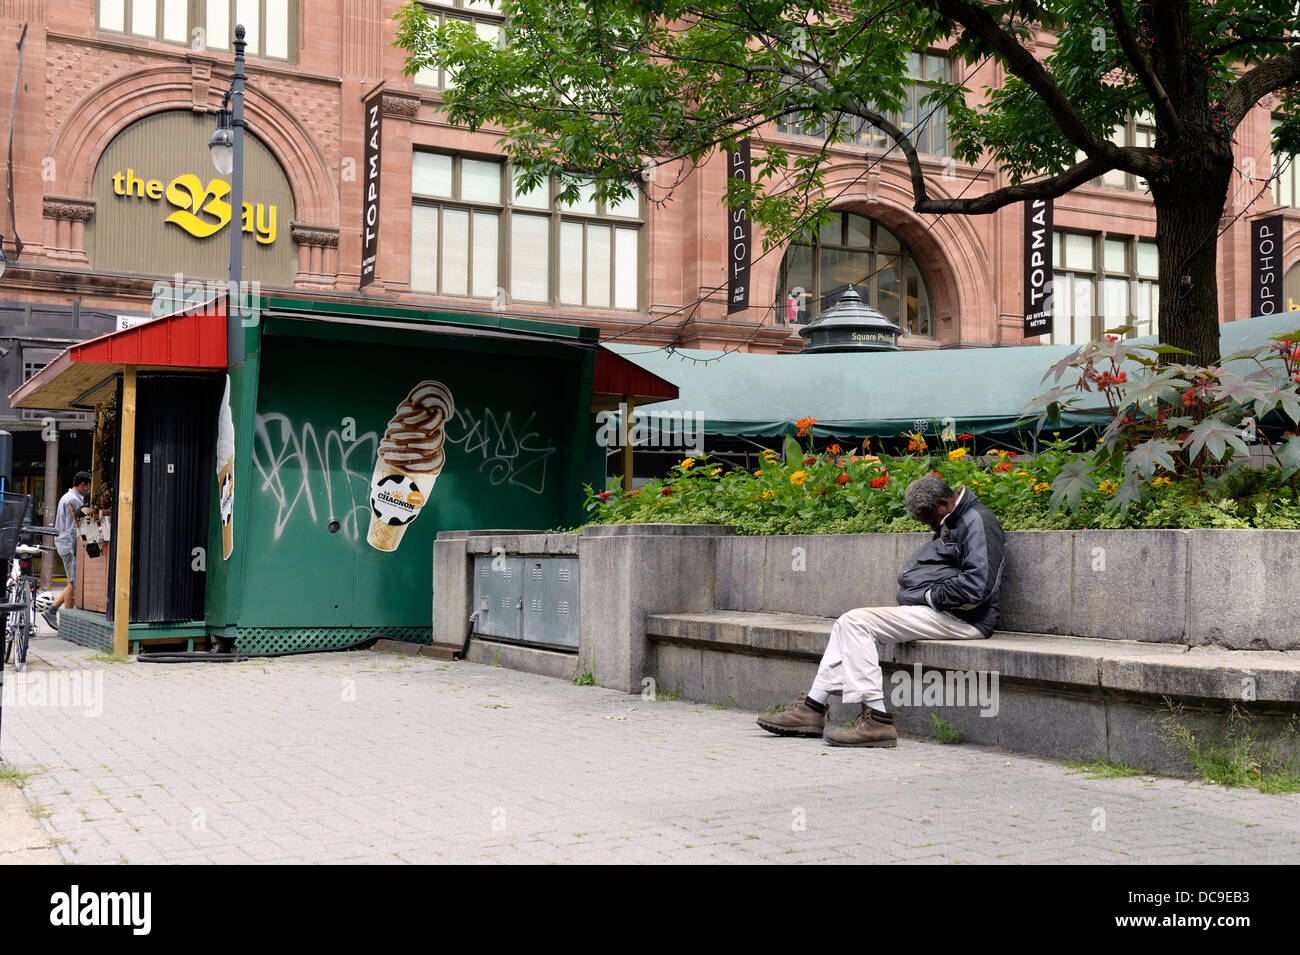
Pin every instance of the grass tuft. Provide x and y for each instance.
(944, 731)
(1239, 757)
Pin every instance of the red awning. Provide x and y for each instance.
(618, 379)
(193, 339)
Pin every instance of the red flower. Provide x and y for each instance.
(882, 480)
(1189, 398)
(635, 493)
(604, 495)
(1112, 338)
(809, 460)
(667, 491)
(965, 437)
(823, 491)
(1012, 454)
(1004, 466)
(843, 478)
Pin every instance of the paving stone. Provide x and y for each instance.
(419, 770)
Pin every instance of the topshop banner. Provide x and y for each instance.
(1266, 266)
(739, 244)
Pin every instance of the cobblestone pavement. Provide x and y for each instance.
(369, 757)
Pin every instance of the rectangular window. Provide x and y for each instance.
(469, 238)
(1087, 300)
(1139, 130)
(530, 257)
(1285, 173)
(487, 19)
(270, 27)
(924, 122)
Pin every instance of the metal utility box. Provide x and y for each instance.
(498, 596)
(551, 601)
(531, 600)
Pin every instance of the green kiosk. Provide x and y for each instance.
(290, 499)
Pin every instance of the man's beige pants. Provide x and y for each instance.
(851, 663)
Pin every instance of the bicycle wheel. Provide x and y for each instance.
(17, 625)
(9, 620)
(22, 630)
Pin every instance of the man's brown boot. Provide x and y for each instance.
(871, 728)
(799, 719)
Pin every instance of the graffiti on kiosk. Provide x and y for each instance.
(510, 454)
(328, 475)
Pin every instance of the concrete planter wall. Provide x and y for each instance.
(1226, 588)
(721, 617)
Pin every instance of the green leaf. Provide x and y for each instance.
(1147, 391)
(1146, 456)
(1130, 492)
(1288, 456)
(1070, 484)
(793, 453)
(1215, 436)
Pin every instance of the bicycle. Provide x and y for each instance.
(16, 613)
(21, 594)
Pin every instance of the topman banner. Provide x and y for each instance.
(1038, 267)
(738, 244)
(370, 186)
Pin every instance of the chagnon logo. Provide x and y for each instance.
(201, 210)
(75, 908)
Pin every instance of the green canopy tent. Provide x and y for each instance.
(982, 390)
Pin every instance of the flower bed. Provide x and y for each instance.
(1179, 449)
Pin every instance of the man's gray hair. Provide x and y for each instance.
(923, 496)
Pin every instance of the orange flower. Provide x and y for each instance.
(803, 424)
(835, 449)
(843, 478)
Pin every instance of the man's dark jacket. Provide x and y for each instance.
(960, 569)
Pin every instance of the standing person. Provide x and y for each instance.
(948, 591)
(71, 506)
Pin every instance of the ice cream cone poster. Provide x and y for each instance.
(226, 473)
(410, 459)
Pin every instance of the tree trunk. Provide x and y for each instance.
(1189, 207)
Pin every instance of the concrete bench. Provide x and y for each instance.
(1055, 695)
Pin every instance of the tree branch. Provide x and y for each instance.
(1164, 108)
(1021, 62)
(1048, 188)
(1282, 70)
(1249, 41)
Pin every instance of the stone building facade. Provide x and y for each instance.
(453, 235)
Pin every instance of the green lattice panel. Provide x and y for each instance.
(279, 640)
(87, 633)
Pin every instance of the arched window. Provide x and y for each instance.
(855, 250)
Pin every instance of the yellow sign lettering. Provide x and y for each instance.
(201, 210)
(191, 197)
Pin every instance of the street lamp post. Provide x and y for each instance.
(227, 148)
